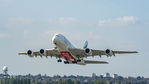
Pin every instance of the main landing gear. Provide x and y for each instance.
(66, 62)
(78, 60)
(74, 62)
(59, 60)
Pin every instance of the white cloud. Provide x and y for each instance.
(51, 33)
(3, 35)
(121, 21)
(67, 20)
(64, 21)
(19, 22)
(75, 22)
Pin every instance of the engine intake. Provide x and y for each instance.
(109, 52)
(30, 53)
(42, 52)
(88, 51)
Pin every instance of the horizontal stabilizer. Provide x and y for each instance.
(95, 62)
(22, 53)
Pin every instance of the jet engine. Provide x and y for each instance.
(42, 52)
(30, 53)
(109, 52)
(88, 51)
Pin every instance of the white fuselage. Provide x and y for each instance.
(63, 46)
(61, 42)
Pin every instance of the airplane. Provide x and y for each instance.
(72, 55)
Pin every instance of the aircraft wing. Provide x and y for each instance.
(52, 53)
(92, 52)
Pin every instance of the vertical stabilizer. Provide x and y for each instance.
(85, 44)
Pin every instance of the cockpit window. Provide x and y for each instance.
(57, 35)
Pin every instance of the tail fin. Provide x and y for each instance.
(85, 44)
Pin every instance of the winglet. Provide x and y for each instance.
(85, 44)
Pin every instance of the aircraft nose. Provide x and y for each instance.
(55, 38)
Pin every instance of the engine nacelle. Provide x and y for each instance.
(43, 52)
(109, 52)
(30, 53)
(88, 51)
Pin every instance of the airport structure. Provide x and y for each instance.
(107, 75)
(5, 73)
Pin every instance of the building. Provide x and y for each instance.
(107, 75)
(115, 76)
(93, 75)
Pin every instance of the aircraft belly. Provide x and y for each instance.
(67, 56)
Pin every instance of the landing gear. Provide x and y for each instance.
(59, 60)
(66, 62)
(74, 62)
(78, 60)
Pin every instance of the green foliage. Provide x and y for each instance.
(99, 82)
(65, 81)
(15, 81)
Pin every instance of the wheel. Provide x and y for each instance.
(78, 60)
(66, 62)
(74, 62)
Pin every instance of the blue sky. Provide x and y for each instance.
(116, 24)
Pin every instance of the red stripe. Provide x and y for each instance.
(67, 55)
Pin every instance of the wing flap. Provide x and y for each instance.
(95, 62)
(124, 52)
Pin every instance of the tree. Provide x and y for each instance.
(99, 82)
(76, 82)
